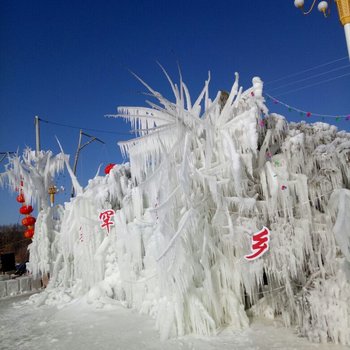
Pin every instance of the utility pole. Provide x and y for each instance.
(79, 148)
(37, 135)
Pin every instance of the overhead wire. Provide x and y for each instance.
(319, 82)
(310, 77)
(84, 128)
(306, 70)
(314, 84)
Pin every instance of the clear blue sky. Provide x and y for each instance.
(68, 61)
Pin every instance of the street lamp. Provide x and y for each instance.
(343, 11)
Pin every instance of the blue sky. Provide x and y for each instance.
(68, 61)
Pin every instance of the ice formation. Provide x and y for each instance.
(34, 173)
(204, 176)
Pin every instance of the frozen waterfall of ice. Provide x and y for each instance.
(204, 175)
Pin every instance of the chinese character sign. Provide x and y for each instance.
(260, 244)
(105, 218)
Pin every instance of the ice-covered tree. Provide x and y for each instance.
(32, 174)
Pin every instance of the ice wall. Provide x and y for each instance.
(204, 176)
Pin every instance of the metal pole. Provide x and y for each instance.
(344, 16)
(76, 159)
(80, 147)
(37, 135)
(347, 36)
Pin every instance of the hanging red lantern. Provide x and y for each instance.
(20, 198)
(26, 209)
(28, 221)
(29, 233)
(109, 167)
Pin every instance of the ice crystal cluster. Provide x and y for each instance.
(203, 176)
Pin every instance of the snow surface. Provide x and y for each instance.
(204, 176)
(81, 326)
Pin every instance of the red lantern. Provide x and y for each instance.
(109, 167)
(26, 209)
(28, 221)
(29, 233)
(20, 198)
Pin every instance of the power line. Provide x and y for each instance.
(314, 84)
(310, 77)
(306, 70)
(83, 128)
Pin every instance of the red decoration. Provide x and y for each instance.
(29, 233)
(283, 187)
(109, 167)
(26, 209)
(20, 198)
(308, 114)
(28, 221)
(260, 244)
(105, 217)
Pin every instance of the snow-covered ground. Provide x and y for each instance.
(79, 325)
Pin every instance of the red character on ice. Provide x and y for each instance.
(105, 217)
(260, 244)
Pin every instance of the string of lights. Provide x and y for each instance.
(304, 113)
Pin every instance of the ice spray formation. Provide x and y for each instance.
(204, 175)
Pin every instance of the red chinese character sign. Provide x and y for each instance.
(105, 218)
(259, 244)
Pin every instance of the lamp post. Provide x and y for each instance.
(343, 11)
(344, 16)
